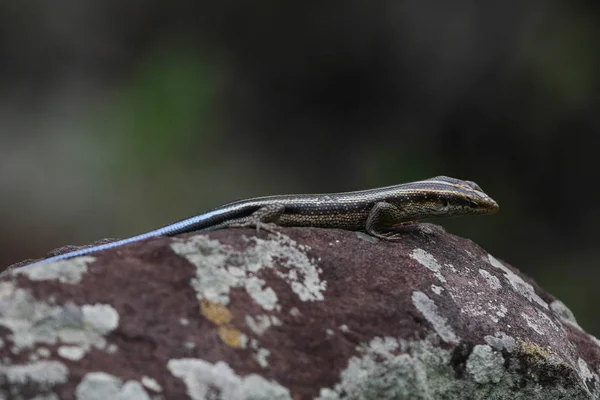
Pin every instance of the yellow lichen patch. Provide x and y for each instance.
(535, 351)
(218, 314)
(232, 337)
(215, 312)
(538, 355)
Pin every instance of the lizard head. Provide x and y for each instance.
(443, 196)
(451, 196)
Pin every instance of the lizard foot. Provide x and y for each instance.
(387, 235)
(265, 226)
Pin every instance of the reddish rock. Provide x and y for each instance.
(307, 314)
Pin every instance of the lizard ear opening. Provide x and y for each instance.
(444, 205)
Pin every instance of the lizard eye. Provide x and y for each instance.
(473, 204)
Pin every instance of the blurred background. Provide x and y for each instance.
(119, 117)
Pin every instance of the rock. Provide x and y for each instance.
(307, 314)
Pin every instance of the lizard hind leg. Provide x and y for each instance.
(264, 218)
(382, 220)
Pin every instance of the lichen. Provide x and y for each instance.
(33, 322)
(65, 271)
(429, 309)
(421, 369)
(101, 386)
(518, 284)
(485, 365)
(428, 261)
(205, 380)
(220, 268)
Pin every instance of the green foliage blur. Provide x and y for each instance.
(116, 119)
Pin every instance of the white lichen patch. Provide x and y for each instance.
(73, 353)
(66, 271)
(189, 345)
(429, 309)
(207, 381)
(299, 271)
(584, 370)
(496, 311)
(103, 317)
(550, 323)
(518, 284)
(474, 309)
(261, 357)
(502, 311)
(46, 372)
(295, 312)
(491, 280)
(43, 352)
(437, 289)
(564, 313)
(428, 261)
(382, 371)
(111, 348)
(32, 322)
(485, 365)
(501, 341)
(260, 354)
(260, 323)
(151, 383)
(532, 322)
(263, 296)
(100, 386)
(390, 368)
(220, 268)
(542, 323)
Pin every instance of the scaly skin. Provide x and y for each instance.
(378, 211)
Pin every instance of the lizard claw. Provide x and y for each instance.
(386, 235)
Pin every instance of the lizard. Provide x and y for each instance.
(380, 212)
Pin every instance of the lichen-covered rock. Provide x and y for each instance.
(305, 314)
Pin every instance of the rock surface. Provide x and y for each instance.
(306, 314)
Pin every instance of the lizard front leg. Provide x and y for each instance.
(383, 218)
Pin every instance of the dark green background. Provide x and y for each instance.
(119, 117)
